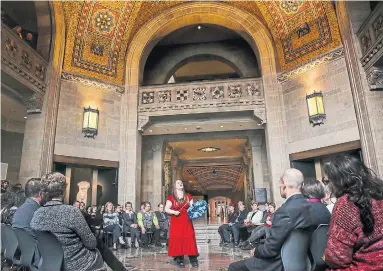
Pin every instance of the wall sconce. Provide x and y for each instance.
(316, 108)
(90, 123)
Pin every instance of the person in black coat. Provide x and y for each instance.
(225, 229)
(130, 224)
(295, 213)
(163, 221)
(235, 226)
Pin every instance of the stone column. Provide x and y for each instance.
(39, 135)
(157, 188)
(168, 171)
(93, 199)
(129, 183)
(68, 177)
(358, 82)
(256, 160)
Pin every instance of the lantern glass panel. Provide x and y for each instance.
(320, 107)
(312, 106)
(93, 120)
(86, 119)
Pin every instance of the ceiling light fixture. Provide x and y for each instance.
(150, 130)
(25, 117)
(221, 126)
(209, 149)
(199, 27)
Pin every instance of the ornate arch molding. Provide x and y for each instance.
(44, 28)
(168, 64)
(251, 29)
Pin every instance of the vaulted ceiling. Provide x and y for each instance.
(99, 32)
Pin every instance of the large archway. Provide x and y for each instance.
(251, 29)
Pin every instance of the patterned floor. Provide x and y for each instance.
(212, 258)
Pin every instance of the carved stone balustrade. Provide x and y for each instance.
(23, 63)
(370, 37)
(202, 97)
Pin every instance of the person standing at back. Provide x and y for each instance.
(355, 237)
(295, 213)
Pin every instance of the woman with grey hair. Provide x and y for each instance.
(68, 224)
(314, 191)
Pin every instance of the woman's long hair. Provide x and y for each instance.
(179, 201)
(348, 175)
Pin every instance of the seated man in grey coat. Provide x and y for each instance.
(295, 213)
(23, 215)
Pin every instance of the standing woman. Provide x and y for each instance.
(181, 235)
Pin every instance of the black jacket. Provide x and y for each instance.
(295, 213)
(128, 220)
(241, 216)
(160, 218)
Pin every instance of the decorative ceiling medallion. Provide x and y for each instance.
(291, 6)
(104, 21)
(209, 149)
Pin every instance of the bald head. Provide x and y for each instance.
(292, 178)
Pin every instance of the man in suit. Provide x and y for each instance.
(23, 215)
(130, 224)
(163, 221)
(295, 213)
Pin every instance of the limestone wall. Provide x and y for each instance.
(70, 140)
(340, 125)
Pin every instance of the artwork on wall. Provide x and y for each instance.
(82, 195)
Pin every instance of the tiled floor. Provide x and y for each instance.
(212, 258)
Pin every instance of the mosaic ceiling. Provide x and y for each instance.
(228, 177)
(99, 32)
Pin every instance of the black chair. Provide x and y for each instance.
(27, 247)
(51, 252)
(11, 245)
(295, 249)
(317, 247)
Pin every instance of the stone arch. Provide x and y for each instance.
(44, 28)
(241, 61)
(219, 13)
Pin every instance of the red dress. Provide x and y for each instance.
(181, 232)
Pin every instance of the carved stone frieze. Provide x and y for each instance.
(235, 91)
(375, 78)
(147, 97)
(92, 83)
(326, 58)
(217, 92)
(253, 89)
(34, 103)
(168, 154)
(164, 96)
(199, 94)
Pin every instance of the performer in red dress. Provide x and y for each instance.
(181, 233)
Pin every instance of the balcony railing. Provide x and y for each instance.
(209, 95)
(22, 62)
(370, 37)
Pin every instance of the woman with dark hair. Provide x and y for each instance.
(67, 223)
(355, 237)
(181, 233)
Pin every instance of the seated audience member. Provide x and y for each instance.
(130, 224)
(76, 204)
(241, 215)
(254, 217)
(68, 225)
(295, 213)
(119, 213)
(313, 191)
(266, 209)
(23, 215)
(225, 229)
(95, 220)
(147, 221)
(163, 221)
(355, 237)
(330, 199)
(102, 209)
(112, 224)
(30, 39)
(89, 210)
(8, 207)
(260, 231)
(4, 186)
(82, 207)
